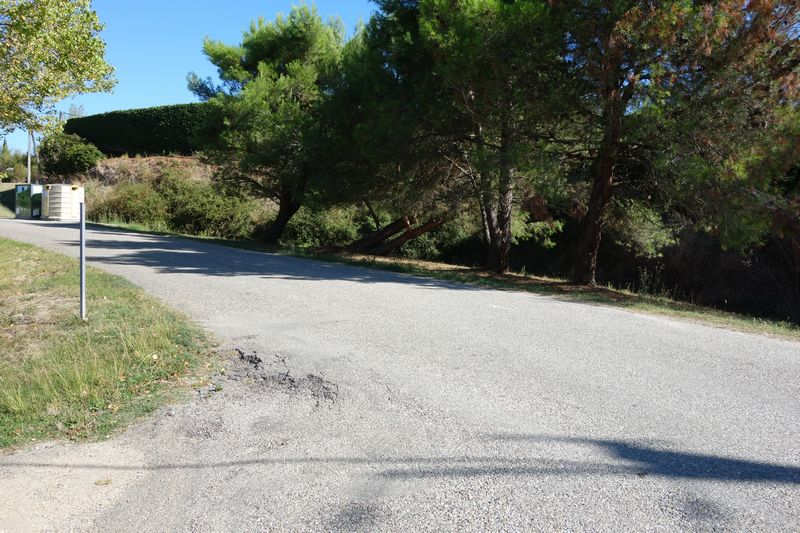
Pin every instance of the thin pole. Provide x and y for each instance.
(83, 262)
(30, 139)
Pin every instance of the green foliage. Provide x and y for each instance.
(336, 226)
(131, 203)
(63, 154)
(149, 131)
(266, 131)
(302, 37)
(50, 49)
(17, 162)
(175, 203)
(200, 209)
(437, 243)
(7, 161)
(698, 85)
(640, 229)
(542, 232)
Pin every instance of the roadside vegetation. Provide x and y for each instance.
(652, 147)
(63, 378)
(7, 200)
(13, 167)
(569, 291)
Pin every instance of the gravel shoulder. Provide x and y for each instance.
(368, 400)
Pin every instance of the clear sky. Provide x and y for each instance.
(154, 44)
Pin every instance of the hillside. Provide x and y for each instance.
(125, 169)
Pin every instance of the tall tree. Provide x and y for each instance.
(49, 49)
(456, 96)
(268, 132)
(656, 58)
(381, 146)
(498, 63)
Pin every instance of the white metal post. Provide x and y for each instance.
(83, 261)
(30, 141)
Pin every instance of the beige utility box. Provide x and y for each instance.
(62, 202)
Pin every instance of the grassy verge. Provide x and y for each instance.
(557, 288)
(568, 291)
(7, 199)
(63, 378)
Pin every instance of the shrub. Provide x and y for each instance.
(438, 243)
(327, 227)
(175, 203)
(199, 209)
(62, 154)
(132, 202)
(148, 131)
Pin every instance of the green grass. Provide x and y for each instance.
(61, 377)
(557, 288)
(7, 200)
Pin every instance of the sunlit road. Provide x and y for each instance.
(444, 407)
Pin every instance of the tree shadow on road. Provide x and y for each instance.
(170, 255)
(627, 458)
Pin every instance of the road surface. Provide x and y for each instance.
(388, 402)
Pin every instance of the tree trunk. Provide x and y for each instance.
(615, 99)
(410, 234)
(377, 237)
(585, 268)
(500, 219)
(288, 206)
(487, 235)
(373, 214)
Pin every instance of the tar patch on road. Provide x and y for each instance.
(273, 373)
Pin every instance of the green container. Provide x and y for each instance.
(28, 201)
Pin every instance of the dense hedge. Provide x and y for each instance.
(148, 131)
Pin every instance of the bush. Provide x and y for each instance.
(148, 131)
(329, 227)
(437, 244)
(63, 154)
(175, 203)
(132, 202)
(199, 209)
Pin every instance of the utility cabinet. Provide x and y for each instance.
(28, 201)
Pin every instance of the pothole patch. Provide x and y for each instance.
(273, 372)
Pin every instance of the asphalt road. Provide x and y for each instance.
(394, 403)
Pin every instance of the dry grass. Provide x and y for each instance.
(567, 290)
(125, 169)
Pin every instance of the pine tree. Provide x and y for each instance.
(5, 157)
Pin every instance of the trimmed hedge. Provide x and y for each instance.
(148, 131)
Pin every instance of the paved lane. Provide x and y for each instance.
(454, 408)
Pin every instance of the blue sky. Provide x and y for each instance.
(154, 44)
